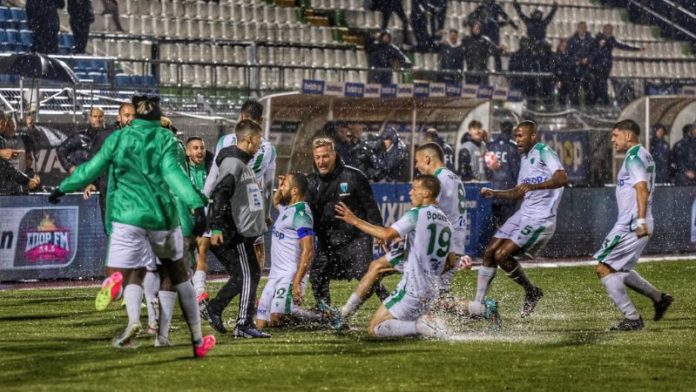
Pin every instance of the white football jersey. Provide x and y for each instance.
(452, 202)
(638, 166)
(538, 166)
(294, 222)
(429, 234)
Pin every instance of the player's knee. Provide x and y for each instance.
(603, 270)
(500, 256)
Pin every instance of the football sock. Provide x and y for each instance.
(167, 300)
(305, 315)
(518, 275)
(475, 308)
(133, 295)
(485, 276)
(151, 285)
(351, 305)
(199, 281)
(189, 306)
(395, 328)
(638, 284)
(614, 284)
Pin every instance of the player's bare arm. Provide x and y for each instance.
(383, 233)
(558, 180)
(642, 195)
(306, 255)
(512, 193)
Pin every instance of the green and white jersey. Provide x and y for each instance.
(452, 201)
(429, 234)
(294, 223)
(638, 166)
(538, 166)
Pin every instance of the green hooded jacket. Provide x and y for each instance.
(145, 173)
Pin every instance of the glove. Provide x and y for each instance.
(54, 197)
(200, 222)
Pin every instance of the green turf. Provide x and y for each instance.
(54, 340)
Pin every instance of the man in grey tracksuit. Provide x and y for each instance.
(236, 220)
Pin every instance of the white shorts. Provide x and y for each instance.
(458, 241)
(396, 256)
(404, 306)
(529, 234)
(134, 247)
(621, 249)
(277, 298)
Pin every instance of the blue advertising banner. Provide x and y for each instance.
(573, 148)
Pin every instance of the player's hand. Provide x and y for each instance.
(487, 192)
(9, 153)
(344, 213)
(297, 293)
(54, 197)
(89, 190)
(34, 183)
(216, 239)
(269, 223)
(642, 228)
(72, 169)
(464, 262)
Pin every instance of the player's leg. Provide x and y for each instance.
(263, 310)
(251, 274)
(404, 315)
(661, 301)
(366, 286)
(613, 282)
(465, 308)
(166, 300)
(260, 251)
(506, 261)
(320, 275)
(229, 258)
(487, 271)
(358, 255)
(151, 286)
(199, 277)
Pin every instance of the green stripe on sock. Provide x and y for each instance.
(609, 248)
(534, 238)
(288, 300)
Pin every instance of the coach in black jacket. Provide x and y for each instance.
(343, 251)
(76, 149)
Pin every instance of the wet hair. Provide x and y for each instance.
(299, 180)
(432, 148)
(247, 127)
(475, 124)
(323, 142)
(628, 125)
(147, 108)
(431, 183)
(193, 139)
(253, 109)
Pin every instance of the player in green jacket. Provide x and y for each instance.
(145, 173)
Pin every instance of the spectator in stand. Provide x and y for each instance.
(438, 16)
(42, 16)
(451, 58)
(81, 17)
(76, 149)
(22, 141)
(582, 48)
(659, 149)
(536, 23)
(602, 64)
(391, 161)
(492, 17)
(477, 49)
(471, 154)
(389, 7)
(111, 8)
(383, 54)
(524, 60)
(684, 157)
(344, 144)
(563, 69)
(503, 172)
(419, 21)
(16, 172)
(432, 136)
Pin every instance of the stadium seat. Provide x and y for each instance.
(122, 80)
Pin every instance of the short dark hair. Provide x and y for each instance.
(430, 183)
(475, 124)
(433, 148)
(147, 108)
(299, 180)
(531, 125)
(246, 127)
(193, 139)
(506, 127)
(628, 125)
(253, 109)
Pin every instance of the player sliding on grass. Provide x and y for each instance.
(625, 242)
(429, 241)
(292, 249)
(144, 173)
(540, 185)
(452, 200)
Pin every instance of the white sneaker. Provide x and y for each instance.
(161, 341)
(127, 337)
(431, 327)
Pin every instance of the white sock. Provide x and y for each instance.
(189, 305)
(133, 295)
(199, 282)
(151, 284)
(351, 306)
(304, 314)
(485, 276)
(167, 300)
(395, 328)
(475, 308)
(636, 282)
(614, 284)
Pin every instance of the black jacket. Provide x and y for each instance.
(506, 151)
(76, 149)
(536, 28)
(660, 151)
(602, 61)
(12, 181)
(350, 186)
(220, 215)
(477, 49)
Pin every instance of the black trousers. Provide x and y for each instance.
(80, 30)
(239, 259)
(350, 262)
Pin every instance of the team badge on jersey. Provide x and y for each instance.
(343, 188)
